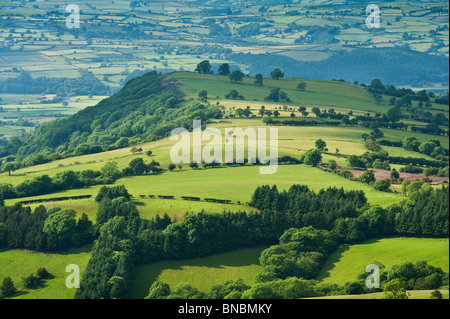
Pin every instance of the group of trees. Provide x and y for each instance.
(204, 67)
(49, 230)
(65, 180)
(138, 166)
(382, 160)
(424, 213)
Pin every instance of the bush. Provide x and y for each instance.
(383, 185)
(355, 288)
(436, 294)
(42, 273)
(30, 281)
(112, 192)
(7, 288)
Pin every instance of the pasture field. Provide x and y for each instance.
(231, 183)
(200, 272)
(348, 261)
(19, 264)
(341, 267)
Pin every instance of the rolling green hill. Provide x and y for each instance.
(145, 111)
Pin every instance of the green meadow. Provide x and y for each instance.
(200, 272)
(18, 264)
(348, 261)
(230, 183)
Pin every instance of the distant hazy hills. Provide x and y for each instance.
(393, 66)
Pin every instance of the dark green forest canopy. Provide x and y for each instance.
(146, 108)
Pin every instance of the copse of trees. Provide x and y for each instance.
(277, 95)
(43, 230)
(112, 192)
(300, 253)
(65, 180)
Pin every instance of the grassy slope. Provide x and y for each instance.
(348, 261)
(19, 264)
(233, 183)
(318, 92)
(236, 183)
(341, 267)
(200, 272)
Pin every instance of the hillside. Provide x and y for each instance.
(146, 108)
(342, 115)
(152, 105)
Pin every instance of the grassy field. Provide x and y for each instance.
(200, 272)
(231, 183)
(348, 261)
(18, 264)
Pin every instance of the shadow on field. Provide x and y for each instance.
(336, 257)
(78, 250)
(148, 273)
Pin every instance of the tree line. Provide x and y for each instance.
(47, 230)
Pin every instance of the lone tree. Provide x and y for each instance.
(172, 166)
(203, 94)
(136, 150)
(367, 177)
(7, 288)
(277, 74)
(8, 167)
(137, 166)
(321, 144)
(259, 80)
(394, 114)
(224, 69)
(312, 157)
(301, 86)
(203, 67)
(237, 76)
